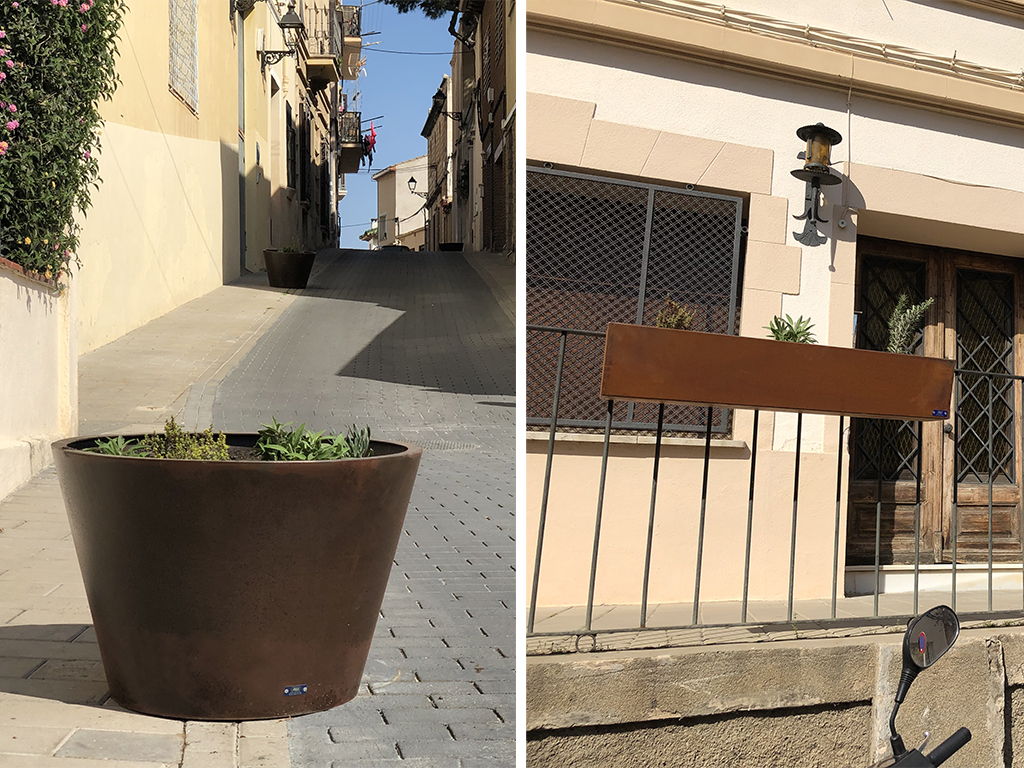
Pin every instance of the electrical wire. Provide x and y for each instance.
(417, 53)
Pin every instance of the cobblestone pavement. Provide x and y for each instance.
(369, 341)
(417, 347)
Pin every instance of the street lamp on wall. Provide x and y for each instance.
(291, 25)
(412, 188)
(815, 172)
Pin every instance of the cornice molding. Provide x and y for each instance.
(980, 93)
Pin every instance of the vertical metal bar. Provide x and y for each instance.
(750, 518)
(645, 257)
(547, 486)
(650, 519)
(956, 483)
(597, 522)
(734, 288)
(796, 497)
(991, 468)
(703, 509)
(644, 261)
(835, 538)
(878, 519)
(917, 517)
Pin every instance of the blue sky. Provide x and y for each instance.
(398, 87)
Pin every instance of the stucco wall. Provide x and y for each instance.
(38, 375)
(163, 228)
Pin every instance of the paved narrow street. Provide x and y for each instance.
(419, 347)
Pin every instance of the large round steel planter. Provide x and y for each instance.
(234, 590)
(288, 270)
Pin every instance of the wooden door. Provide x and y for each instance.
(909, 466)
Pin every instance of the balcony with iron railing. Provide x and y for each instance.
(351, 20)
(324, 46)
(350, 142)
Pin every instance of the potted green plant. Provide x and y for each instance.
(235, 576)
(288, 267)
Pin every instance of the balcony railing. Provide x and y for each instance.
(351, 20)
(740, 538)
(350, 128)
(323, 30)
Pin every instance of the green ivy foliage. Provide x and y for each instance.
(58, 60)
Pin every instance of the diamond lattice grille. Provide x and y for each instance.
(588, 253)
(985, 408)
(886, 446)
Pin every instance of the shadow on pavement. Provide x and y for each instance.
(60, 662)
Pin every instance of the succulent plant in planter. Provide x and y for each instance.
(788, 329)
(235, 576)
(673, 315)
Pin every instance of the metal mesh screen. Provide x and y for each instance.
(985, 404)
(183, 62)
(601, 251)
(886, 446)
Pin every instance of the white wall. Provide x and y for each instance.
(38, 375)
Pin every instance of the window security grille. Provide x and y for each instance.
(290, 139)
(601, 250)
(183, 60)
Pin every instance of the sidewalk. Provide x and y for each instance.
(417, 346)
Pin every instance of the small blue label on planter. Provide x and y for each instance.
(941, 414)
(295, 690)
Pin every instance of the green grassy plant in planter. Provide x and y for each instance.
(788, 329)
(235, 576)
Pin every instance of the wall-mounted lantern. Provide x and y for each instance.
(412, 187)
(292, 27)
(815, 172)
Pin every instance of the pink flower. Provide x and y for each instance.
(3, 147)
(85, 27)
(3, 76)
(2, 33)
(54, 2)
(10, 63)
(12, 108)
(12, 125)
(62, 3)
(87, 155)
(15, 5)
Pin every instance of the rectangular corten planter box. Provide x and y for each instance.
(664, 365)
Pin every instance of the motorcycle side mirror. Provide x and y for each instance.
(927, 638)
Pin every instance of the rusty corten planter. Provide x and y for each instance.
(235, 590)
(665, 365)
(288, 270)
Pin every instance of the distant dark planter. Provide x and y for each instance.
(450, 246)
(288, 270)
(235, 590)
(664, 365)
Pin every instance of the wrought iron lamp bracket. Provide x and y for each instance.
(273, 57)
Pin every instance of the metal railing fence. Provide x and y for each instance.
(587, 628)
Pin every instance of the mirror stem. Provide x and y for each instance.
(907, 677)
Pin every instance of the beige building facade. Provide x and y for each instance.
(401, 212)
(689, 105)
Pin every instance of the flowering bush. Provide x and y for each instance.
(57, 61)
